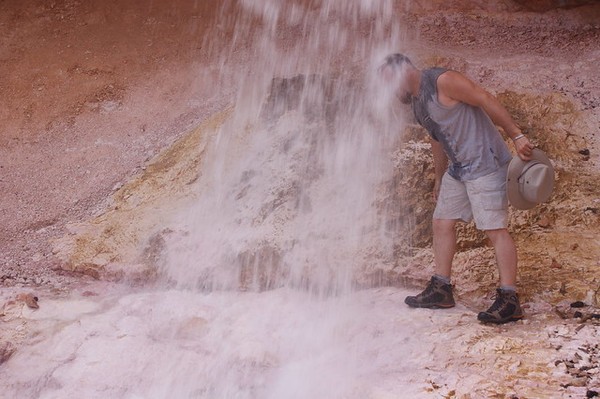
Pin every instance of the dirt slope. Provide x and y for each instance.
(90, 91)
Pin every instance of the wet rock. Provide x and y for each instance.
(409, 191)
(154, 248)
(135, 273)
(29, 299)
(7, 349)
(260, 270)
(90, 270)
(310, 94)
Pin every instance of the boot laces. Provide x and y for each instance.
(430, 289)
(500, 300)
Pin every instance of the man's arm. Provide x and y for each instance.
(454, 87)
(440, 164)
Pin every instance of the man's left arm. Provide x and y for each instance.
(454, 87)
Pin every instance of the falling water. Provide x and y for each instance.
(257, 296)
(289, 186)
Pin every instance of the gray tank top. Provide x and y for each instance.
(470, 139)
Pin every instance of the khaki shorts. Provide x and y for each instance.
(483, 199)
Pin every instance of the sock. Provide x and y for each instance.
(443, 279)
(508, 288)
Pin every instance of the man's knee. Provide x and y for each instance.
(498, 234)
(443, 226)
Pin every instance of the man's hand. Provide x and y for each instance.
(440, 164)
(436, 190)
(524, 148)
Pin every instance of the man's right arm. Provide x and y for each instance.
(440, 164)
(454, 87)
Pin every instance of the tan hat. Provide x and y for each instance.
(529, 182)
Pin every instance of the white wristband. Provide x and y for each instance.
(518, 137)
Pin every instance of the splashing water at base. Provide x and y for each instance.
(179, 344)
(282, 343)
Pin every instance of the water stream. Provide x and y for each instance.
(288, 192)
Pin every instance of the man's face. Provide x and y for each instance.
(403, 93)
(398, 78)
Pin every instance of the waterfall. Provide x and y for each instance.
(288, 188)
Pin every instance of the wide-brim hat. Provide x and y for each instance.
(529, 183)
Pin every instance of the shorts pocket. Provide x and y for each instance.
(494, 201)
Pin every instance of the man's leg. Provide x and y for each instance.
(506, 256)
(452, 205)
(438, 293)
(507, 306)
(444, 245)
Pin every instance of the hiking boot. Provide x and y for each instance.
(505, 308)
(436, 295)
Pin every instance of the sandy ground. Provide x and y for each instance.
(91, 91)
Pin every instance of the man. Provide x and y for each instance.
(470, 162)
